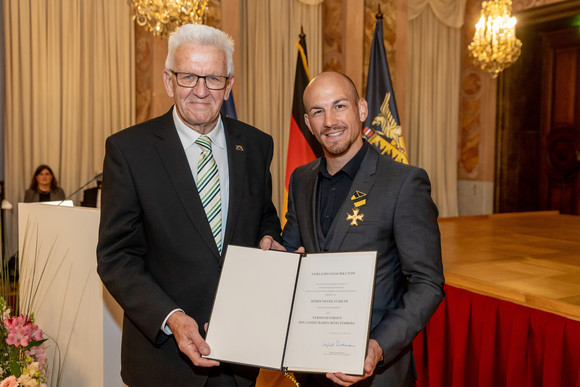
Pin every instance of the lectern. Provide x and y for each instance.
(59, 283)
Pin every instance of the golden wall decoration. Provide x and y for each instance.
(389, 11)
(333, 35)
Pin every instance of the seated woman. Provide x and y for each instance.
(44, 187)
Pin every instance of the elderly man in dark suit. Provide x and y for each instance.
(176, 191)
(353, 198)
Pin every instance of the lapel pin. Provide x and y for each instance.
(354, 217)
(359, 198)
(239, 148)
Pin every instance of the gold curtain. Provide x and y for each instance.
(268, 52)
(69, 85)
(432, 105)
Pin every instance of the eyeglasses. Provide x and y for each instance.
(212, 82)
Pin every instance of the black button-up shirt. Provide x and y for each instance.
(333, 189)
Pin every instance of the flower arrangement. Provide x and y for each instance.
(22, 356)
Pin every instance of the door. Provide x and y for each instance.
(538, 122)
(560, 122)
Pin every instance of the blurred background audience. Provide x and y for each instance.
(43, 187)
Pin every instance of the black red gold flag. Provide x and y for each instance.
(302, 145)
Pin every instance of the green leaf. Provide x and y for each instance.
(35, 343)
(15, 369)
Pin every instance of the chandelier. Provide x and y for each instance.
(162, 17)
(495, 45)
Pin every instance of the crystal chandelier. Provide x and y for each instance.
(495, 45)
(162, 17)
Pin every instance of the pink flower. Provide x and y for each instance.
(9, 382)
(36, 332)
(37, 353)
(21, 331)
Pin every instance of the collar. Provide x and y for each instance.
(351, 168)
(188, 136)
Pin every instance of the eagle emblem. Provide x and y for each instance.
(386, 134)
(389, 127)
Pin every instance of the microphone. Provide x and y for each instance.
(99, 176)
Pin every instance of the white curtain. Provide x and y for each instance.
(270, 30)
(69, 85)
(433, 94)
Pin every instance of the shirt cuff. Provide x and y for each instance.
(164, 326)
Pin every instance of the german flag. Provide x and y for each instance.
(302, 145)
(382, 128)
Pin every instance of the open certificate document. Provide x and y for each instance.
(296, 312)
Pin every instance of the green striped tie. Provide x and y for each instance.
(208, 185)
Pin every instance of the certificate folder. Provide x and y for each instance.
(290, 311)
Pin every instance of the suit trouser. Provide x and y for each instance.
(223, 380)
(219, 379)
(222, 376)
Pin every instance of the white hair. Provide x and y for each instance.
(204, 36)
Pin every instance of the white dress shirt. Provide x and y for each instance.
(217, 136)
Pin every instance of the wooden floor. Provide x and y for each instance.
(532, 258)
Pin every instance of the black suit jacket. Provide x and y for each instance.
(400, 223)
(156, 252)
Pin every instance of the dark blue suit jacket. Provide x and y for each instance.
(156, 252)
(400, 223)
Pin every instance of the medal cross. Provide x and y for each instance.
(354, 217)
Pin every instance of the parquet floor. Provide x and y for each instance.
(532, 258)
